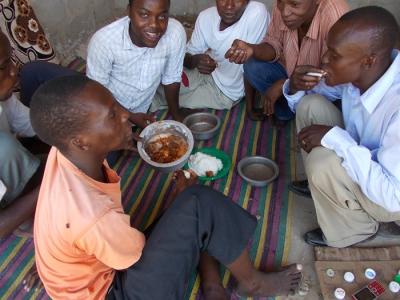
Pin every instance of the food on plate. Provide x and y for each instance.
(166, 148)
(205, 165)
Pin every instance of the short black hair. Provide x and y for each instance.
(130, 2)
(56, 112)
(385, 30)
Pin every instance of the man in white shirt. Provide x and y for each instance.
(20, 171)
(212, 81)
(133, 55)
(351, 157)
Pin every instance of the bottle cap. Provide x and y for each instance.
(349, 277)
(370, 273)
(394, 287)
(330, 273)
(397, 278)
(340, 293)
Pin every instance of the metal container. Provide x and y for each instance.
(203, 125)
(165, 127)
(258, 170)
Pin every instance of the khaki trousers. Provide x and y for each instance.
(345, 215)
(202, 92)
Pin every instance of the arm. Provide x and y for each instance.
(252, 46)
(172, 75)
(196, 49)
(113, 241)
(378, 178)
(331, 93)
(172, 96)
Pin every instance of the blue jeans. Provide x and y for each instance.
(262, 75)
(35, 73)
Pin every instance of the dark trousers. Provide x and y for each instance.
(200, 219)
(35, 73)
(262, 75)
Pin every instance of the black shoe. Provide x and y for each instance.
(389, 230)
(300, 187)
(315, 238)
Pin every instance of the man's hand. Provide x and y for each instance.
(204, 63)
(183, 179)
(311, 136)
(301, 80)
(141, 120)
(239, 52)
(271, 96)
(183, 113)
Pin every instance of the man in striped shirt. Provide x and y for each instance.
(296, 36)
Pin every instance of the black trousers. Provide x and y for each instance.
(200, 219)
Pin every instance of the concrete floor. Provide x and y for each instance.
(304, 219)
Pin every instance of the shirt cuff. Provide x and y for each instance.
(294, 99)
(338, 140)
(171, 80)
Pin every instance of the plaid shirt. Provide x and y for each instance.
(132, 73)
(313, 46)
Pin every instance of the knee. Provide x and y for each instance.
(309, 103)
(320, 165)
(250, 67)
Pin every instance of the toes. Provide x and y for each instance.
(292, 269)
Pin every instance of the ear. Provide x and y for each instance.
(79, 143)
(369, 61)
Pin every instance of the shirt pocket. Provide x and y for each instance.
(151, 71)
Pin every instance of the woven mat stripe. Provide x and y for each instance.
(16, 262)
(144, 190)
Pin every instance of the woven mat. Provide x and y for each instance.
(144, 191)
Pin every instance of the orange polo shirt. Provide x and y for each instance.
(313, 46)
(81, 233)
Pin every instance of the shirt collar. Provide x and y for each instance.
(127, 43)
(371, 97)
(313, 31)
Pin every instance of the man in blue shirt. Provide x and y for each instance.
(351, 156)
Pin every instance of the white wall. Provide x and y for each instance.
(69, 23)
(195, 6)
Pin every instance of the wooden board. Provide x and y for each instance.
(355, 254)
(385, 270)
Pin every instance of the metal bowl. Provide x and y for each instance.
(203, 125)
(258, 170)
(165, 127)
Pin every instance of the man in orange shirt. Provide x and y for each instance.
(85, 246)
(296, 36)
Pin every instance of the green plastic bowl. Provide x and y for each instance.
(226, 162)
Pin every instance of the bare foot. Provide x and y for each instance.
(273, 283)
(214, 292)
(32, 280)
(255, 114)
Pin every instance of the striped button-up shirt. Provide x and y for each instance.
(133, 73)
(313, 46)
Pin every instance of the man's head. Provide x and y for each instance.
(149, 21)
(296, 13)
(360, 45)
(231, 11)
(78, 115)
(8, 71)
